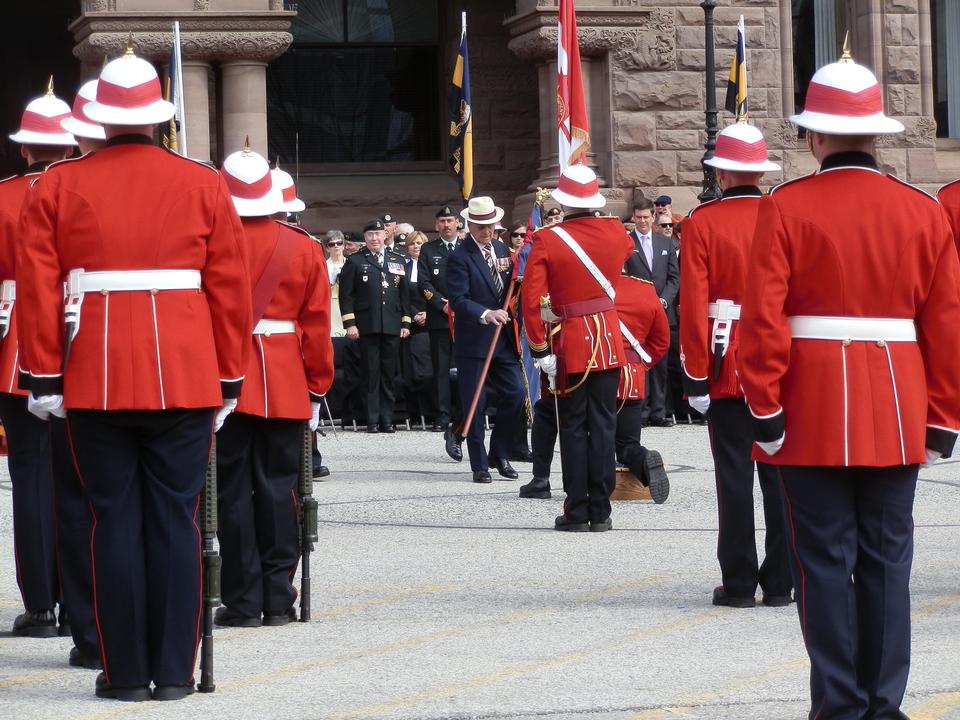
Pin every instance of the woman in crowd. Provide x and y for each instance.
(335, 260)
(518, 234)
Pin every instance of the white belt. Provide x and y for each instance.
(851, 329)
(8, 297)
(136, 280)
(716, 310)
(275, 327)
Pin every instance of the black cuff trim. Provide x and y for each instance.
(941, 440)
(770, 428)
(540, 353)
(314, 398)
(230, 389)
(695, 388)
(23, 379)
(47, 385)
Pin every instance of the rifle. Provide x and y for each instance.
(211, 570)
(308, 519)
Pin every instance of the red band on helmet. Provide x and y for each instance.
(730, 148)
(576, 189)
(130, 98)
(834, 101)
(289, 194)
(78, 110)
(35, 122)
(249, 191)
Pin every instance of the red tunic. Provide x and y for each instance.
(640, 309)
(713, 266)
(133, 206)
(949, 197)
(554, 270)
(285, 371)
(13, 192)
(887, 253)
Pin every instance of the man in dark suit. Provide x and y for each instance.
(432, 284)
(375, 306)
(655, 259)
(478, 275)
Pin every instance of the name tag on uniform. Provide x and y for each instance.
(503, 264)
(395, 268)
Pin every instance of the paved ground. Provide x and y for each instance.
(438, 598)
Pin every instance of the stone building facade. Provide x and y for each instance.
(644, 67)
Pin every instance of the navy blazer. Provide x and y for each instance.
(471, 291)
(665, 273)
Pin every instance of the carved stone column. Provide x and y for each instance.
(196, 92)
(244, 105)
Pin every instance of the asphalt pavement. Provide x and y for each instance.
(435, 598)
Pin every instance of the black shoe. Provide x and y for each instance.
(505, 469)
(777, 600)
(662, 422)
(225, 617)
(538, 488)
(481, 476)
(281, 618)
(63, 628)
(139, 693)
(439, 425)
(561, 523)
(173, 692)
(372, 429)
(526, 457)
(78, 659)
(36, 624)
(601, 526)
(452, 443)
(720, 597)
(654, 476)
(321, 471)
(387, 428)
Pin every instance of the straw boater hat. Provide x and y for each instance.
(78, 123)
(844, 98)
(129, 94)
(283, 180)
(251, 184)
(40, 124)
(578, 188)
(741, 148)
(482, 211)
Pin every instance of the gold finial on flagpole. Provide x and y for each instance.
(847, 54)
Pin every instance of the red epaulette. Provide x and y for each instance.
(912, 187)
(703, 205)
(792, 182)
(298, 229)
(202, 163)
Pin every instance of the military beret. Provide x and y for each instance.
(663, 200)
(386, 218)
(446, 211)
(401, 237)
(375, 224)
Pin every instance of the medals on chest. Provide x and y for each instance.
(385, 284)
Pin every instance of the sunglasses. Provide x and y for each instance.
(334, 244)
(669, 225)
(513, 235)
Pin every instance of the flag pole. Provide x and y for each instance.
(181, 107)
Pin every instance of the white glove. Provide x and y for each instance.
(932, 457)
(700, 403)
(773, 447)
(228, 407)
(45, 405)
(314, 416)
(548, 364)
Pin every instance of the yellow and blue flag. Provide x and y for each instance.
(461, 119)
(736, 101)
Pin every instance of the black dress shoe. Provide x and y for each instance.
(452, 442)
(662, 422)
(281, 618)
(652, 474)
(722, 598)
(777, 600)
(78, 659)
(564, 525)
(41, 624)
(173, 692)
(505, 469)
(372, 429)
(526, 457)
(601, 525)
(481, 476)
(138, 693)
(538, 488)
(439, 426)
(387, 428)
(321, 471)
(225, 617)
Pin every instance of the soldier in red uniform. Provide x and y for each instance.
(149, 245)
(949, 197)
(289, 370)
(570, 276)
(42, 141)
(713, 272)
(850, 371)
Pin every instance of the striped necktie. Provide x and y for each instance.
(497, 281)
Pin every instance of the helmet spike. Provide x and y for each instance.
(50, 86)
(847, 54)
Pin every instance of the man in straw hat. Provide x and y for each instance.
(850, 372)
(713, 276)
(569, 281)
(478, 277)
(158, 348)
(42, 141)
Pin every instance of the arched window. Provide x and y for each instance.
(360, 84)
(945, 33)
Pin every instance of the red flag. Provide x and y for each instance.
(574, 131)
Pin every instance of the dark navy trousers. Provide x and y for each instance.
(143, 472)
(851, 539)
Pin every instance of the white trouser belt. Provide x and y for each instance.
(852, 329)
(723, 313)
(723, 310)
(8, 297)
(135, 280)
(275, 327)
